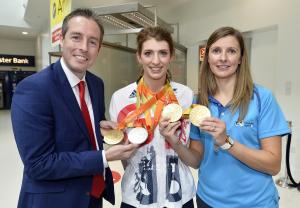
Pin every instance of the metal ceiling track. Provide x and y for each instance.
(130, 18)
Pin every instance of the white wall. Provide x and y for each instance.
(17, 47)
(12, 13)
(264, 55)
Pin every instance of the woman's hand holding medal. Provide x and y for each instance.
(168, 130)
(215, 127)
(169, 123)
(200, 116)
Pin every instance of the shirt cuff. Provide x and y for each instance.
(104, 160)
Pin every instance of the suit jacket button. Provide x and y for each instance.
(87, 193)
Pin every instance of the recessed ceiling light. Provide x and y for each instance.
(25, 33)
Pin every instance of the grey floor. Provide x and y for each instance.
(11, 171)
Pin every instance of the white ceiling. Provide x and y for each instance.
(37, 14)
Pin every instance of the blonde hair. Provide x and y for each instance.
(243, 89)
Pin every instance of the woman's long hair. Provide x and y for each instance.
(243, 88)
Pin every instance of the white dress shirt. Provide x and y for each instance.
(74, 80)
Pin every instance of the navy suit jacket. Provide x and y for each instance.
(53, 141)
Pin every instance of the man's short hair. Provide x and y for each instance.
(83, 12)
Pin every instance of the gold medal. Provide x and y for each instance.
(113, 136)
(172, 111)
(198, 113)
(137, 135)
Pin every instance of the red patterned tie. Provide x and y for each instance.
(98, 184)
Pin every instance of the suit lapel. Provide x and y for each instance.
(68, 96)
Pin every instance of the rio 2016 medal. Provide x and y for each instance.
(172, 111)
(113, 136)
(137, 135)
(198, 113)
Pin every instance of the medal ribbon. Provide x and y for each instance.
(145, 100)
(144, 94)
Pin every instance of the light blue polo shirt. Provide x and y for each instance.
(224, 181)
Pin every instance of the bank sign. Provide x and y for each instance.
(16, 60)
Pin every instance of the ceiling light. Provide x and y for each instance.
(139, 18)
(116, 22)
(130, 17)
(25, 33)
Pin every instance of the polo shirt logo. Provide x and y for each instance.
(244, 123)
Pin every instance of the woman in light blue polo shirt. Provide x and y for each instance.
(238, 148)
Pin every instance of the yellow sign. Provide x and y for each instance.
(58, 10)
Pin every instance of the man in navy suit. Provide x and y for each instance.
(52, 136)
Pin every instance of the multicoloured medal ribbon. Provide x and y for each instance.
(147, 101)
(162, 98)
